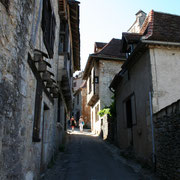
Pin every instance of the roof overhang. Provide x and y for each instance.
(73, 11)
(63, 9)
(97, 57)
(138, 51)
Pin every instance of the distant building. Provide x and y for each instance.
(80, 107)
(136, 27)
(99, 72)
(77, 98)
(86, 111)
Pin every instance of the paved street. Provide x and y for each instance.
(87, 157)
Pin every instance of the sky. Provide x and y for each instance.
(102, 20)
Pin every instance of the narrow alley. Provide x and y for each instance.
(87, 157)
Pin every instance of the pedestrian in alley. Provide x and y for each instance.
(73, 123)
(81, 123)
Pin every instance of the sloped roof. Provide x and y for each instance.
(74, 23)
(112, 49)
(131, 37)
(140, 11)
(156, 27)
(100, 44)
(161, 27)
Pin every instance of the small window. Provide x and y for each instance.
(130, 111)
(64, 38)
(48, 25)
(90, 84)
(74, 84)
(96, 79)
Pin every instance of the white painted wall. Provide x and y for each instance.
(165, 65)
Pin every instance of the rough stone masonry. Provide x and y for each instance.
(14, 25)
(167, 139)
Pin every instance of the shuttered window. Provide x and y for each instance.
(48, 27)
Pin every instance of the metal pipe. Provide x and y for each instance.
(152, 127)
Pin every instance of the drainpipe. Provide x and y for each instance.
(152, 128)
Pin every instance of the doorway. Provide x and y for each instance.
(44, 139)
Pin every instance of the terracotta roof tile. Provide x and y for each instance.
(161, 27)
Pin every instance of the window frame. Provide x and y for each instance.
(132, 99)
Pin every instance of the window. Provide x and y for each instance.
(48, 27)
(63, 43)
(96, 79)
(37, 112)
(90, 88)
(130, 111)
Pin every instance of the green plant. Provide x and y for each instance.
(104, 111)
(109, 110)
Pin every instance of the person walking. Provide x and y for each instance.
(81, 124)
(73, 123)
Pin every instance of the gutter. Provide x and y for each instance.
(160, 42)
(107, 57)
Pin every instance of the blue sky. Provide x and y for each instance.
(102, 20)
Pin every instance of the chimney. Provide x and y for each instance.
(140, 17)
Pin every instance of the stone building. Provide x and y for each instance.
(77, 106)
(86, 111)
(80, 106)
(148, 81)
(100, 69)
(35, 97)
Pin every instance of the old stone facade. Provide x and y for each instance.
(77, 97)
(167, 133)
(99, 72)
(80, 107)
(85, 108)
(33, 108)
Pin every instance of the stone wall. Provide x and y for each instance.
(85, 108)
(20, 34)
(167, 140)
(14, 27)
